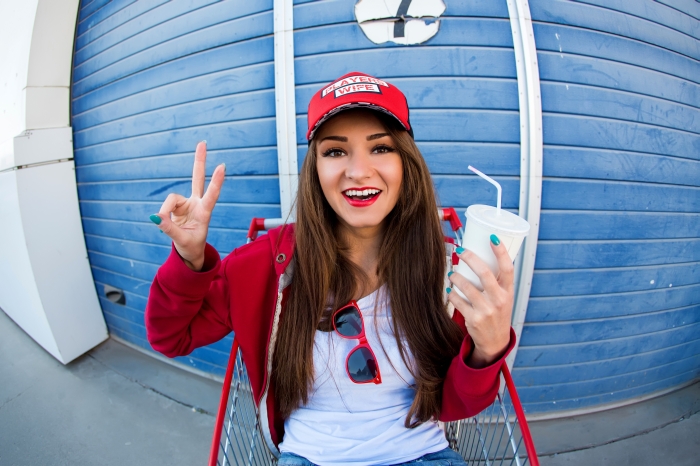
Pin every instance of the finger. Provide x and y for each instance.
(214, 188)
(462, 306)
(199, 169)
(479, 267)
(475, 297)
(505, 264)
(168, 227)
(171, 203)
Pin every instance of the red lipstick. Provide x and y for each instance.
(356, 200)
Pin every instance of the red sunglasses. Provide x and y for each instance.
(361, 364)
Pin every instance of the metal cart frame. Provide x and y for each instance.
(499, 435)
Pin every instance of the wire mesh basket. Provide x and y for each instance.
(499, 435)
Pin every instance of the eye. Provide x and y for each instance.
(333, 152)
(383, 149)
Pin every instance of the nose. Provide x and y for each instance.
(359, 167)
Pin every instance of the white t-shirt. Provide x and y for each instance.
(345, 423)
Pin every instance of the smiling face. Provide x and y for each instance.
(359, 169)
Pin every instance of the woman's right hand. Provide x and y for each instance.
(186, 220)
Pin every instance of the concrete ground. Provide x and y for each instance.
(117, 406)
(112, 406)
(660, 431)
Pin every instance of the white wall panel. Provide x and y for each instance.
(49, 207)
(19, 295)
(47, 288)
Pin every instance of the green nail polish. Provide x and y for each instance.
(495, 240)
(224, 165)
(155, 219)
(459, 250)
(449, 274)
(448, 290)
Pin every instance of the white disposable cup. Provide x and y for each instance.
(482, 222)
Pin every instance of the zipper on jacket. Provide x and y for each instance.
(282, 283)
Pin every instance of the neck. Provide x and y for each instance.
(363, 247)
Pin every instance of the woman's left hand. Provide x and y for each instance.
(488, 316)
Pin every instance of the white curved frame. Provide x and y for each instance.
(48, 290)
(285, 105)
(530, 156)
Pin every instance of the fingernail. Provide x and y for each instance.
(459, 250)
(224, 165)
(449, 274)
(155, 219)
(204, 141)
(495, 240)
(161, 231)
(448, 290)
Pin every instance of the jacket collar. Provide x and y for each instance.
(282, 242)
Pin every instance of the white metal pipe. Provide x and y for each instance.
(530, 155)
(285, 105)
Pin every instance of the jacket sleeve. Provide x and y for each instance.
(187, 309)
(468, 391)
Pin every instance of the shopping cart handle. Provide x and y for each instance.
(449, 214)
(256, 225)
(520, 413)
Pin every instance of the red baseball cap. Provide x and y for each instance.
(355, 90)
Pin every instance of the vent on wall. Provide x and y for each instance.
(115, 295)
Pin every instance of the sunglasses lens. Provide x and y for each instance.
(348, 322)
(361, 365)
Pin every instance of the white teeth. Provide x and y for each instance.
(363, 193)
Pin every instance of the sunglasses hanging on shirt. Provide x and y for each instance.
(361, 363)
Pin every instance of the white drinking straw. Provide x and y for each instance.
(493, 182)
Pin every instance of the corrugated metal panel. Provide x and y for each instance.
(460, 85)
(615, 303)
(151, 79)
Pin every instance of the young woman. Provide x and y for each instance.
(345, 319)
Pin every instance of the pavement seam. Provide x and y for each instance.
(13, 398)
(685, 416)
(193, 408)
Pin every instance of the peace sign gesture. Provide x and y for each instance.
(186, 220)
(487, 314)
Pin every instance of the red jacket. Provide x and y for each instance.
(245, 293)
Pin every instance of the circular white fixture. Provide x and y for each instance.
(401, 21)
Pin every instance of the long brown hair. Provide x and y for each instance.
(411, 264)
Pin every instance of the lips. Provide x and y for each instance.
(362, 197)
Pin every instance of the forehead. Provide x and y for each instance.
(351, 121)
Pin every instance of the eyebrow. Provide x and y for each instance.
(371, 137)
(335, 138)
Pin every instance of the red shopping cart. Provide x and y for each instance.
(499, 435)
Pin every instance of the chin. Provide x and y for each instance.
(362, 221)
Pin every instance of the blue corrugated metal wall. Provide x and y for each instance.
(151, 79)
(615, 306)
(460, 85)
(614, 312)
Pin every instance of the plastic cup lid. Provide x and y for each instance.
(503, 221)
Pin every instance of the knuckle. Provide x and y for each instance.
(499, 302)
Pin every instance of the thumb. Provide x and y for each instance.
(167, 226)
